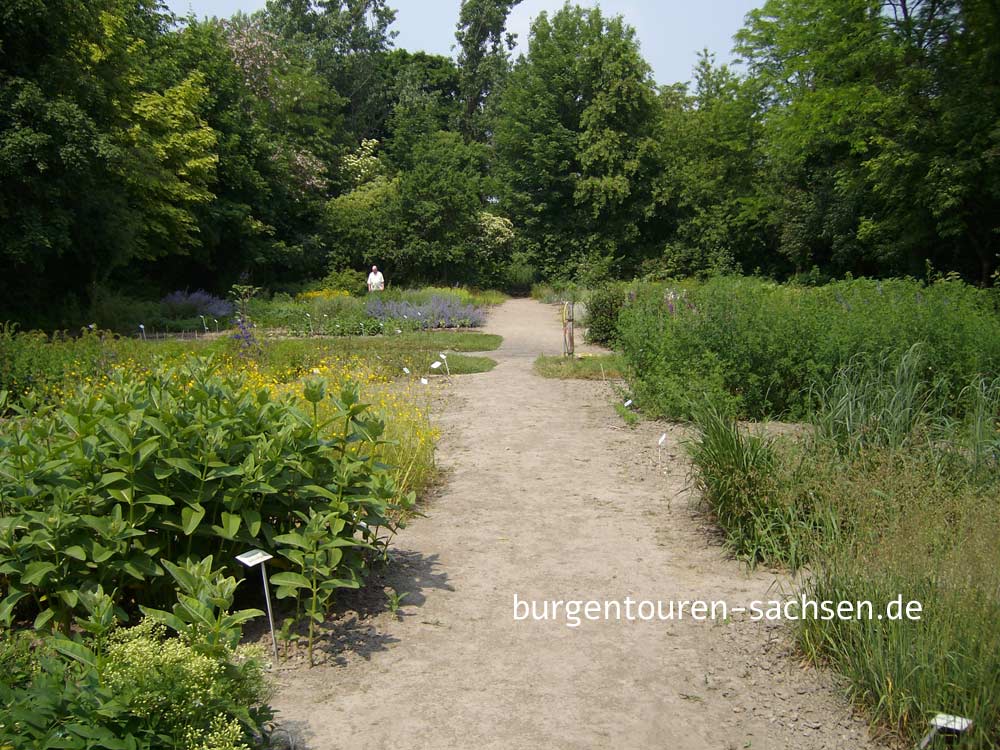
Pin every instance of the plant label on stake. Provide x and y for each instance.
(258, 557)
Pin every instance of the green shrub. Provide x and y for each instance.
(180, 464)
(519, 277)
(351, 281)
(133, 688)
(34, 361)
(774, 346)
(604, 304)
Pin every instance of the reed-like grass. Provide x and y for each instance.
(895, 492)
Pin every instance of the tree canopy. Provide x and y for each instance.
(141, 152)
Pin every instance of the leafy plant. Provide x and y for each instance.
(181, 464)
(315, 548)
(202, 614)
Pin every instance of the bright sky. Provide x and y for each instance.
(671, 32)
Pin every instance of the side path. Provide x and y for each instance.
(548, 497)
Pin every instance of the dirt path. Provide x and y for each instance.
(550, 497)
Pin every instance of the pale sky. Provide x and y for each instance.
(671, 33)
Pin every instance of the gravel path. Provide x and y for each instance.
(549, 497)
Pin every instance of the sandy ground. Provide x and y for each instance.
(550, 497)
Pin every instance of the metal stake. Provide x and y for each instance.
(259, 557)
(270, 614)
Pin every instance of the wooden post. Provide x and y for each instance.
(565, 322)
(572, 344)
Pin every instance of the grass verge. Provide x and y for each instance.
(583, 367)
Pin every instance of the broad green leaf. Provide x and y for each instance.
(36, 572)
(43, 618)
(317, 491)
(110, 478)
(75, 650)
(9, 602)
(191, 516)
(294, 580)
(76, 552)
(169, 619)
(184, 464)
(252, 519)
(117, 434)
(156, 500)
(70, 596)
(230, 525)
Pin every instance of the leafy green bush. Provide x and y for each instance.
(767, 347)
(519, 277)
(135, 689)
(604, 304)
(34, 361)
(180, 464)
(351, 281)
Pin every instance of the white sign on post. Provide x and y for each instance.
(251, 559)
(254, 557)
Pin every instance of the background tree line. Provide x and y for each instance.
(141, 153)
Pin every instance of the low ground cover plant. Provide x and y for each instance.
(334, 313)
(52, 366)
(580, 367)
(141, 687)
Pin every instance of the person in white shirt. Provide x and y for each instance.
(376, 282)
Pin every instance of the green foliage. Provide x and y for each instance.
(482, 59)
(350, 280)
(315, 549)
(736, 473)
(130, 688)
(604, 304)
(763, 347)
(519, 277)
(582, 367)
(885, 497)
(183, 463)
(574, 142)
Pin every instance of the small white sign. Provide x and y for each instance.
(406, 370)
(435, 365)
(628, 403)
(663, 439)
(951, 723)
(254, 557)
(423, 381)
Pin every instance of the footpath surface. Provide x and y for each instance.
(549, 497)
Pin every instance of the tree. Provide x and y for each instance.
(482, 59)
(348, 41)
(880, 132)
(706, 204)
(98, 165)
(574, 140)
(425, 101)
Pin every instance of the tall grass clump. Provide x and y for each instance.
(892, 493)
(880, 402)
(764, 348)
(738, 476)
